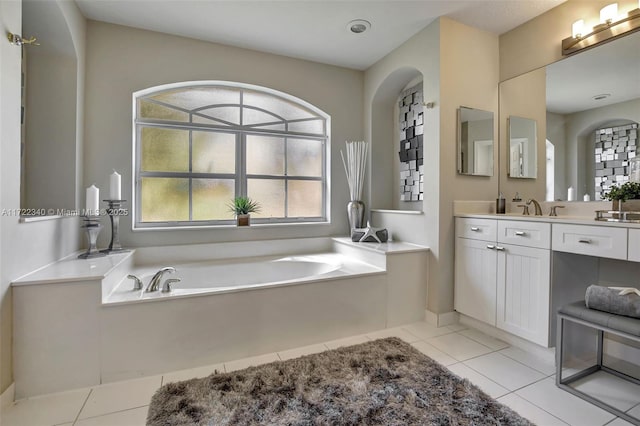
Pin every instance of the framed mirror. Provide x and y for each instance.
(475, 142)
(522, 147)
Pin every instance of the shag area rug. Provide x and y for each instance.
(384, 382)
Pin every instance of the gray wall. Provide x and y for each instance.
(122, 60)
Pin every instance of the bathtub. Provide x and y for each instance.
(285, 294)
(234, 275)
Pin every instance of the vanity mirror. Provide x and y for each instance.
(49, 97)
(522, 147)
(593, 110)
(475, 142)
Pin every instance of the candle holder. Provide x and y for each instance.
(92, 227)
(114, 211)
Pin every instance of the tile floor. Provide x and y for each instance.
(512, 376)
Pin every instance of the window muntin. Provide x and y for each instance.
(197, 146)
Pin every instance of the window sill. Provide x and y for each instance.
(415, 212)
(230, 226)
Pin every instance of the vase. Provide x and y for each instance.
(243, 220)
(355, 212)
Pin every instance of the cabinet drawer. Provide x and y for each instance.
(476, 229)
(529, 234)
(597, 241)
(634, 245)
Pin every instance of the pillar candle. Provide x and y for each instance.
(571, 194)
(115, 186)
(92, 206)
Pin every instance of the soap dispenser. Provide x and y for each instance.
(500, 204)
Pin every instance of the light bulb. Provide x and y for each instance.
(609, 13)
(577, 29)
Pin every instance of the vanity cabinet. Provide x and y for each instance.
(503, 278)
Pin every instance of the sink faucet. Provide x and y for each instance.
(155, 281)
(536, 206)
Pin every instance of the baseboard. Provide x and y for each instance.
(548, 354)
(440, 320)
(8, 396)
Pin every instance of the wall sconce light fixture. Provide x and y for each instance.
(611, 25)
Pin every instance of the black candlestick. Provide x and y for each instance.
(114, 211)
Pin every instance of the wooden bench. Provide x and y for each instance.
(619, 325)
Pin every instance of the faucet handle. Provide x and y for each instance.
(553, 211)
(137, 283)
(525, 209)
(166, 287)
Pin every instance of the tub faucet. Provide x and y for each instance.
(155, 281)
(536, 206)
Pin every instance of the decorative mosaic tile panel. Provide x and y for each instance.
(614, 147)
(411, 142)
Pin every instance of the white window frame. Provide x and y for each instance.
(240, 176)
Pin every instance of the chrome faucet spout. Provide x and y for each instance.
(155, 281)
(536, 206)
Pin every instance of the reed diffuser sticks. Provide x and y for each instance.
(355, 167)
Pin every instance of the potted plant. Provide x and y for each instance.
(242, 207)
(621, 194)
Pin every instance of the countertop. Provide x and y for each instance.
(573, 220)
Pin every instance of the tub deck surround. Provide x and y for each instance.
(73, 331)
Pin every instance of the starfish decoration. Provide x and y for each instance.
(369, 231)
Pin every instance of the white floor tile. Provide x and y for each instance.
(504, 371)
(424, 330)
(610, 389)
(134, 417)
(45, 410)
(486, 340)
(240, 364)
(529, 411)
(120, 396)
(347, 341)
(458, 346)
(619, 422)
(635, 411)
(398, 332)
(567, 407)
(530, 360)
(191, 373)
(434, 353)
(305, 350)
(456, 327)
(490, 387)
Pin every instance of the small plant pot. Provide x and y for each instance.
(629, 205)
(243, 220)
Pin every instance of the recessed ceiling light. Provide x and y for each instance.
(601, 96)
(358, 26)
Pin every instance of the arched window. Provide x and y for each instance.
(199, 144)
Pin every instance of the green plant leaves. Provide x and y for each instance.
(243, 205)
(628, 191)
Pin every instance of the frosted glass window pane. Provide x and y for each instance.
(253, 116)
(165, 199)
(280, 127)
(305, 198)
(164, 150)
(210, 199)
(270, 194)
(230, 114)
(314, 127)
(214, 152)
(283, 108)
(265, 155)
(304, 157)
(197, 97)
(159, 112)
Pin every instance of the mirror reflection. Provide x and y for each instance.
(49, 97)
(522, 147)
(593, 111)
(475, 142)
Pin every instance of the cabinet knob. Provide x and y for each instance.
(475, 228)
(499, 248)
(491, 246)
(584, 240)
(521, 233)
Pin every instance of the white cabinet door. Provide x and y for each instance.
(475, 279)
(523, 292)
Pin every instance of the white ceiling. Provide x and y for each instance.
(613, 68)
(315, 30)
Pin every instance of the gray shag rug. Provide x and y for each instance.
(384, 382)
